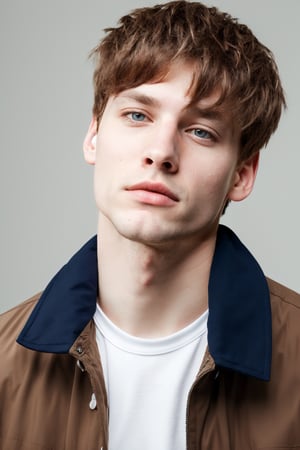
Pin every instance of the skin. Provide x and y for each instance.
(164, 168)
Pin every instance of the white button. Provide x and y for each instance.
(93, 402)
(80, 365)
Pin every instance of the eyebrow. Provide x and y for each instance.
(193, 109)
(209, 112)
(146, 100)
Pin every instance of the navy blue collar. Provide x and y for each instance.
(239, 322)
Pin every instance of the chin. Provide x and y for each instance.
(149, 237)
(146, 233)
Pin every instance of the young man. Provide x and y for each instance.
(163, 332)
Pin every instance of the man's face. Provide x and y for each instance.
(164, 168)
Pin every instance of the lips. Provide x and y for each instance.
(157, 188)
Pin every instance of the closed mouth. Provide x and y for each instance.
(157, 188)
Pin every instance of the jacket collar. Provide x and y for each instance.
(239, 322)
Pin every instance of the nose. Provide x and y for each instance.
(162, 153)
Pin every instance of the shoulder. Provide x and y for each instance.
(13, 320)
(285, 303)
(18, 361)
(14, 356)
(285, 306)
(283, 294)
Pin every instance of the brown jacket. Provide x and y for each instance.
(47, 402)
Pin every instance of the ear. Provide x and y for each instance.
(244, 179)
(89, 143)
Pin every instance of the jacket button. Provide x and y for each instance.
(79, 350)
(80, 365)
(93, 402)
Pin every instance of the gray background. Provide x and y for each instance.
(47, 207)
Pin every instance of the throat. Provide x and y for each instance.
(150, 293)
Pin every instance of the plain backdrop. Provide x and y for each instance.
(47, 206)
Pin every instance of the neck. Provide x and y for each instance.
(152, 291)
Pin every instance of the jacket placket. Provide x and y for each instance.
(85, 351)
(199, 401)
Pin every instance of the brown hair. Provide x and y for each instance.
(225, 53)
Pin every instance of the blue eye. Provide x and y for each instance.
(202, 134)
(137, 116)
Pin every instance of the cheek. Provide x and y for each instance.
(109, 169)
(223, 174)
(216, 180)
(221, 183)
(212, 188)
(103, 167)
(111, 150)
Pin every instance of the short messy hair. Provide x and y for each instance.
(225, 53)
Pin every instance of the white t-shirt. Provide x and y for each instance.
(147, 382)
